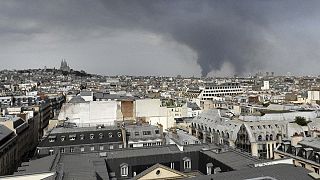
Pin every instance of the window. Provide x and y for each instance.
(110, 135)
(62, 150)
(92, 148)
(172, 165)
(157, 131)
(82, 149)
(136, 133)
(187, 163)
(63, 138)
(111, 147)
(82, 136)
(120, 146)
(100, 135)
(316, 170)
(209, 170)
(101, 147)
(124, 169)
(51, 152)
(146, 132)
(303, 165)
(91, 136)
(72, 137)
(52, 138)
(71, 149)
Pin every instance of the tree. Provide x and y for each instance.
(300, 120)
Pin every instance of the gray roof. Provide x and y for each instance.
(273, 172)
(311, 142)
(234, 159)
(77, 99)
(4, 132)
(101, 95)
(85, 93)
(37, 166)
(81, 129)
(193, 106)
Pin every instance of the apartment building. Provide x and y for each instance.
(69, 139)
(304, 153)
(215, 92)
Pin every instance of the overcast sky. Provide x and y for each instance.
(163, 37)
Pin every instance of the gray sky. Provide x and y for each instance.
(163, 37)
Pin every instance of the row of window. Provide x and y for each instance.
(228, 90)
(146, 133)
(82, 149)
(264, 126)
(124, 168)
(73, 137)
(223, 87)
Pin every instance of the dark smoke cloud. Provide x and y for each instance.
(249, 35)
(218, 31)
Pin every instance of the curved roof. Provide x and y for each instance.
(77, 99)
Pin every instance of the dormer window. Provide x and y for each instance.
(100, 135)
(209, 168)
(317, 157)
(186, 163)
(110, 135)
(304, 154)
(82, 136)
(63, 138)
(124, 169)
(52, 138)
(119, 134)
(91, 136)
(72, 137)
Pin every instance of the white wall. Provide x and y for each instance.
(313, 95)
(94, 112)
(148, 107)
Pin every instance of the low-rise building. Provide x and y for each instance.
(80, 140)
(142, 135)
(305, 153)
(257, 137)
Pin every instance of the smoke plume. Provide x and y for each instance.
(218, 31)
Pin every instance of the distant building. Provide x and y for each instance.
(313, 96)
(64, 66)
(265, 86)
(216, 92)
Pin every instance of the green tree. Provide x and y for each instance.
(300, 120)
